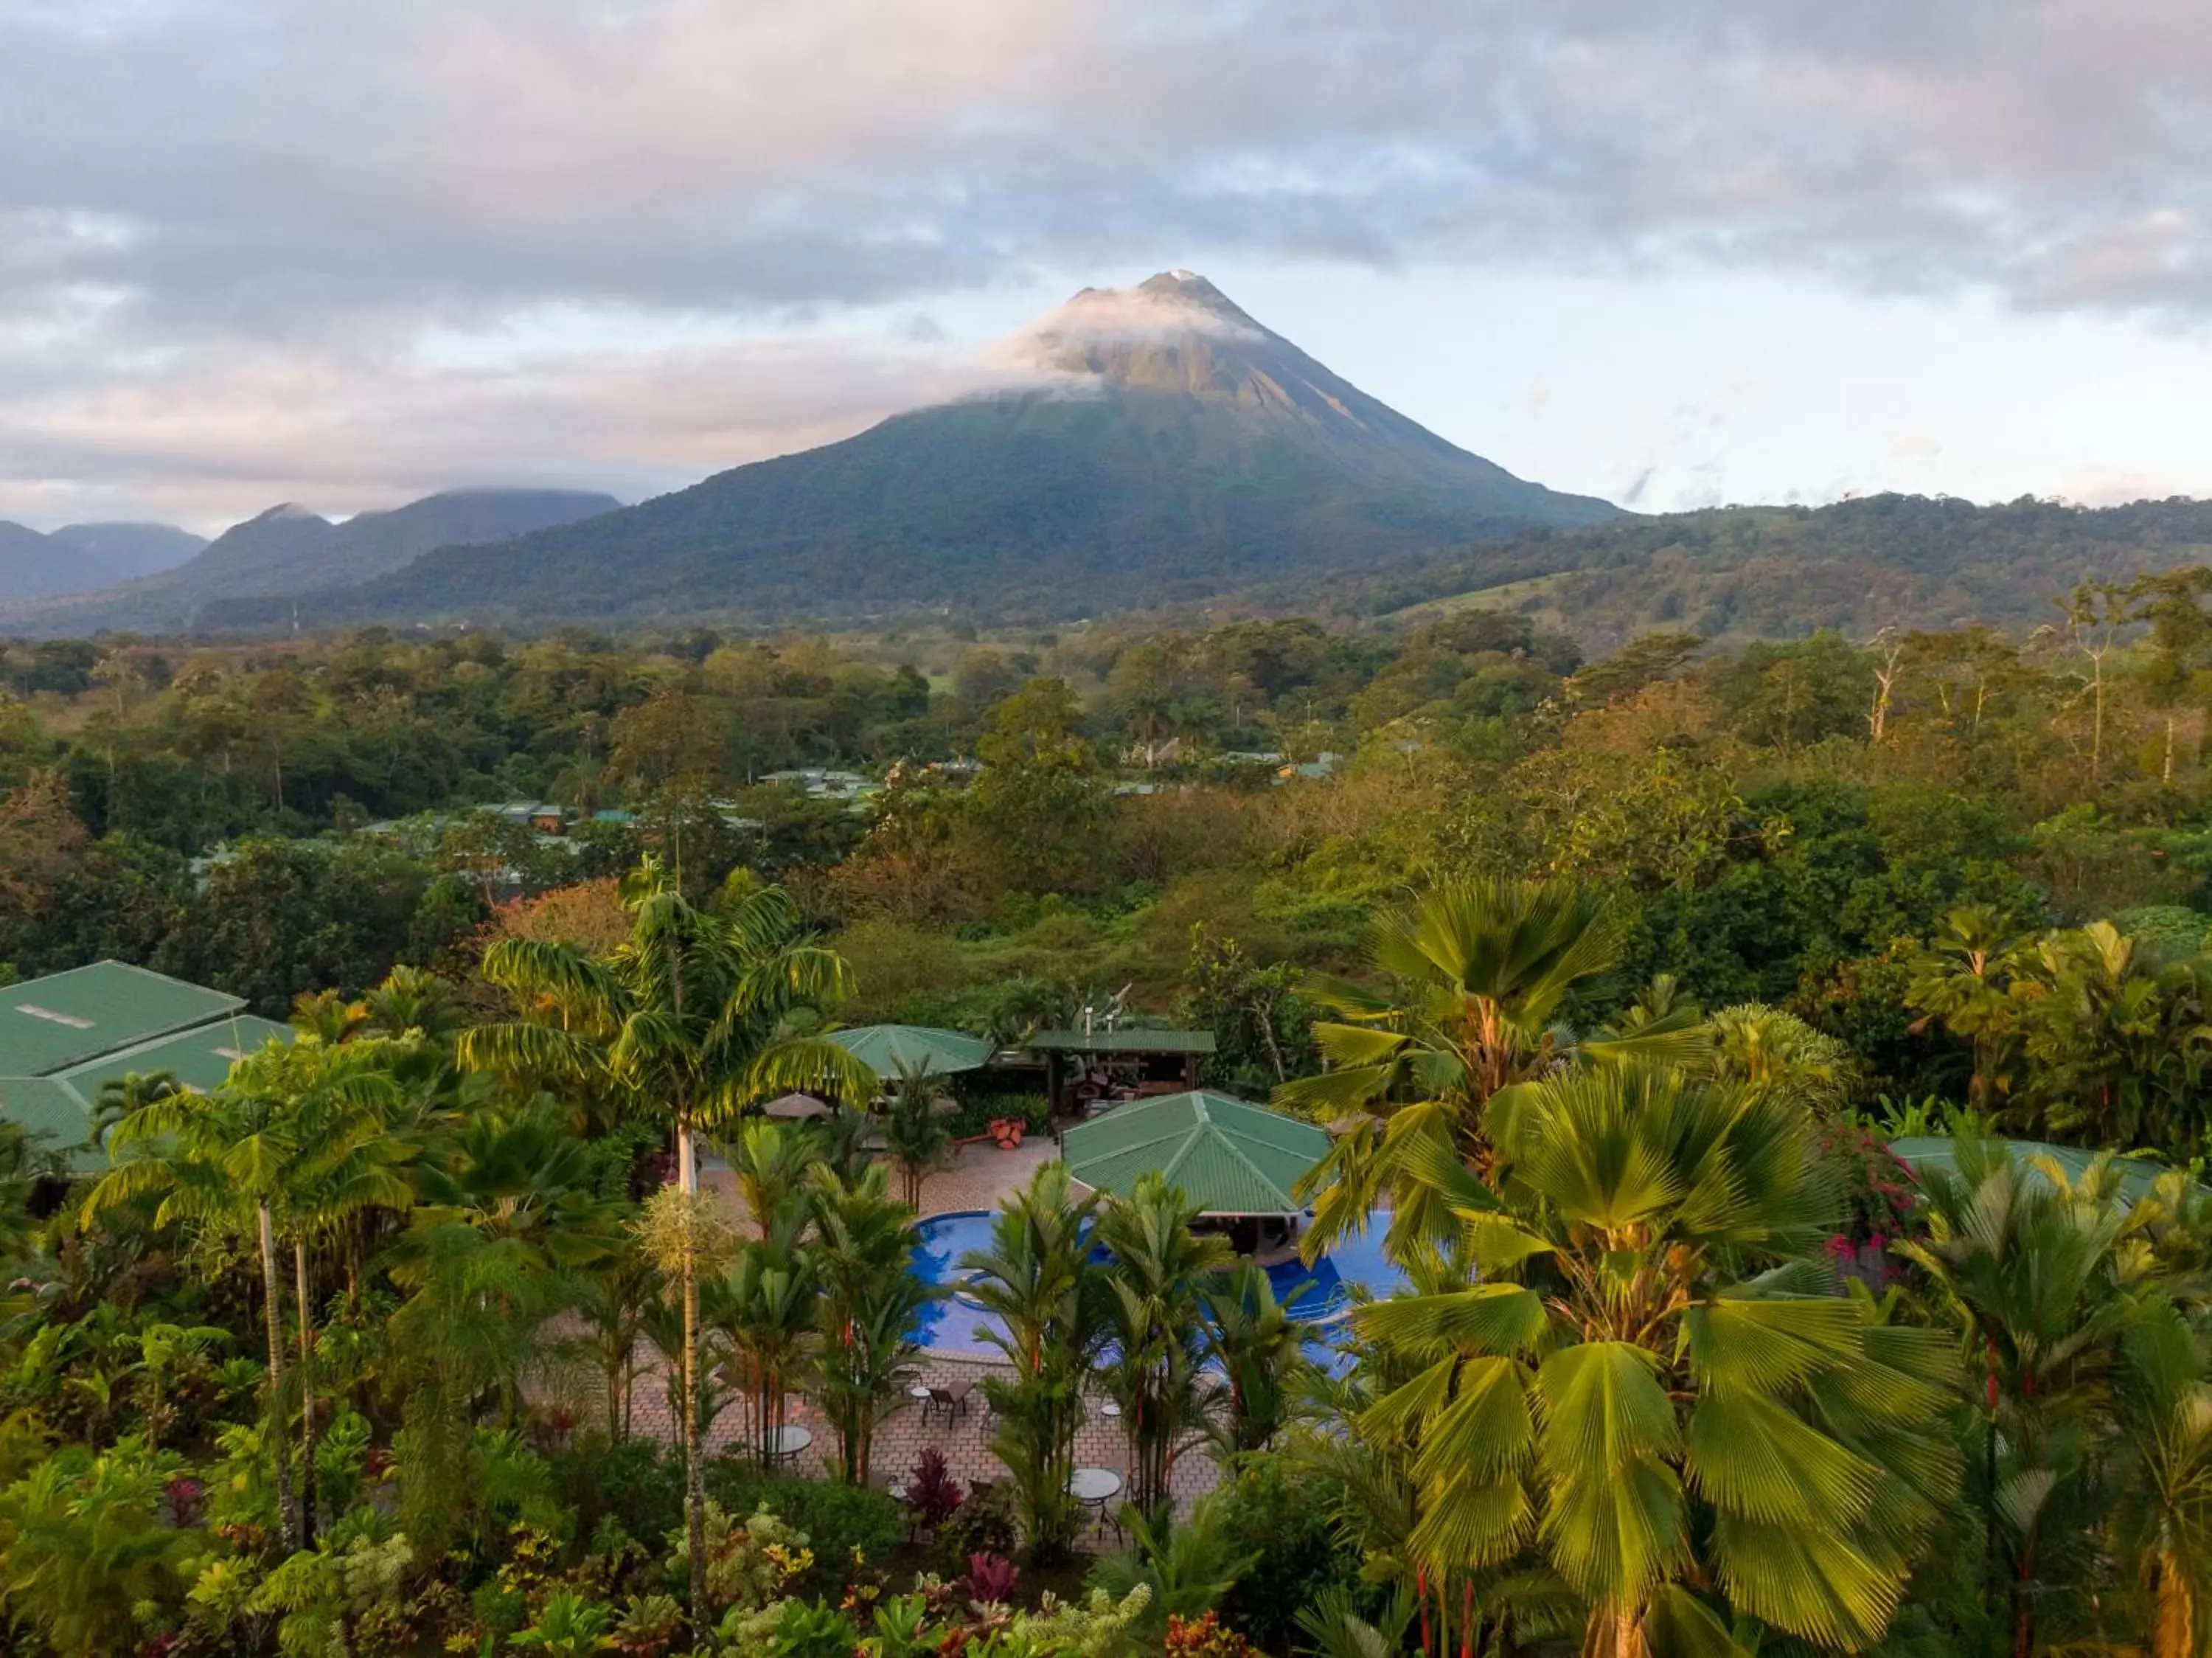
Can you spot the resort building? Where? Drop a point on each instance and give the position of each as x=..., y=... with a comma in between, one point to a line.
x=66, y=1036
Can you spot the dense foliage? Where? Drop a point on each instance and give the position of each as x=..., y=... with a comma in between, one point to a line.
x=1614, y=979
x=1745, y=573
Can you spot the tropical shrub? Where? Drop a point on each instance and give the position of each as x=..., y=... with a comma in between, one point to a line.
x=985, y=1523
x=931, y=1490
x=1282, y=1514
x=845, y=1527
x=990, y=1580
x=1878, y=1189
x=91, y=1563
x=635, y=1483
x=749, y=1563
x=1204, y=1637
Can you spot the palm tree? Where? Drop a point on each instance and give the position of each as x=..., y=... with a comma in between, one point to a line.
x=614, y=1298
x=1259, y=1349
x=515, y=1174
x=231, y=1162
x=2046, y=1279
x=125, y=1096
x=1766, y=1047
x=1038, y=1278
x=1963, y=981
x=2164, y=1490
x=344, y=1163
x=1680, y=1444
x=688, y=1018
x=915, y=1135
x=1155, y=1315
x=1478, y=971
x=769, y=1163
x=768, y=1304
x=1185, y=1569
x=412, y=1001
x=327, y=1016
x=871, y=1302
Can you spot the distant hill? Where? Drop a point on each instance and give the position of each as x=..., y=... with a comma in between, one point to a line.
x=289, y=551
x=78, y=558
x=1158, y=442
x=1739, y=573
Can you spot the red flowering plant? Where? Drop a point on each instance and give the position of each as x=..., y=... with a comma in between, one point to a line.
x=1881, y=1192
x=1204, y=1637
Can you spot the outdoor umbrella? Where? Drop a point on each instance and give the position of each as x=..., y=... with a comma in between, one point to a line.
x=887, y=1050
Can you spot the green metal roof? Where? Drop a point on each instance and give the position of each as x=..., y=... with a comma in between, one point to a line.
x=48, y=1025
x=1935, y=1151
x=1229, y=1157
x=883, y=1048
x=199, y=1058
x=1136, y=1040
x=54, y=1115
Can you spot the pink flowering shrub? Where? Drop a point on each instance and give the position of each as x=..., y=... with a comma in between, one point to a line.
x=1881, y=1192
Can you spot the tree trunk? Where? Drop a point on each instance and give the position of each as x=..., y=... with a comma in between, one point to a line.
x=1264, y=1011
x=2173, y=1622
x=1612, y=1633
x=306, y=1396
x=694, y=1473
x=272, y=1295
x=2097, y=731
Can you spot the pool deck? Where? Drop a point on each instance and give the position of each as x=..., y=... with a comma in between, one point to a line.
x=979, y=1180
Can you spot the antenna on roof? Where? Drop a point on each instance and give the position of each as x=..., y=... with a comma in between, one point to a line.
x=1113, y=1008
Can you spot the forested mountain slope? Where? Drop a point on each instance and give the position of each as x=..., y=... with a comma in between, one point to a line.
x=1780, y=572
x=289, y=551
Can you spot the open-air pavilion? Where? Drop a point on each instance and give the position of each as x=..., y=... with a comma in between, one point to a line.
x=1082, y=1066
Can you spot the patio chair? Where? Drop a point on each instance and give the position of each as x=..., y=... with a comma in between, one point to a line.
x=952, y=1399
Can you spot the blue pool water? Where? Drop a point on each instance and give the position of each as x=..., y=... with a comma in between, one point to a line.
x=1316, y=1295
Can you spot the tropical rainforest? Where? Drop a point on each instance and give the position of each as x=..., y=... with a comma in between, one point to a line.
x=1615, y=974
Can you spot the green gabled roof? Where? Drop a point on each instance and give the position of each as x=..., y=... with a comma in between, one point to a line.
x=1939, y=1152
x=53, y=1114
x=883, y=1048
x=50, y=1024
x=1229, y=1157
x=1121, y=1041
x=199, y=1058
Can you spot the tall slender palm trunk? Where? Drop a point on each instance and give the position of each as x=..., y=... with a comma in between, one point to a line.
x=272, y=1299
x=307, y=1393
x=2174, y=1624
x=694, y=1472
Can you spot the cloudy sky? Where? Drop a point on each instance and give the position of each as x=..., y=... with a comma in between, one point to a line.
x=1674, y=252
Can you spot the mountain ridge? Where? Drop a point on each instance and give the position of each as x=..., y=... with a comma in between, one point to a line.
x=289, y=551
x=81, y=558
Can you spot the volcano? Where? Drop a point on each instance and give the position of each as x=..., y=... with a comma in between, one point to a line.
x=1139, y=446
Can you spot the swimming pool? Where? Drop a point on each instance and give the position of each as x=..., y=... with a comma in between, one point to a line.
x=954, y=1323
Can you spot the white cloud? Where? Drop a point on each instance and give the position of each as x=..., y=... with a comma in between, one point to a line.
x=229, y=228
